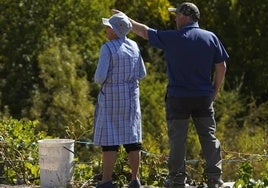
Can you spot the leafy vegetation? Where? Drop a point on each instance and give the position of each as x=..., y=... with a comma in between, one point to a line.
x=48, y=55
x=18, y=151
x=245, y=177
x=19, y=138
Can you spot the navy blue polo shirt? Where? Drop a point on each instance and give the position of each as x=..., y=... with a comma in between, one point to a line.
x=190, y=54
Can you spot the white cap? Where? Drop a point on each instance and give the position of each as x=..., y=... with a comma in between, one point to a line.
x=119, y=23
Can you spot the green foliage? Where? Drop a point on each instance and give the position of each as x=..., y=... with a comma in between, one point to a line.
x=140, y=9
x=82, y=172
x=19, y=45
x=250, y=30
x=245, y=177
x=87, y=173
x=61, y=100
x=154, y=169
x=19, y=150
x=152, y=93
x=258, y=116
x=48, y=55
x=30, y=26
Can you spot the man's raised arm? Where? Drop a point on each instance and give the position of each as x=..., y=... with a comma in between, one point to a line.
x=138, y=28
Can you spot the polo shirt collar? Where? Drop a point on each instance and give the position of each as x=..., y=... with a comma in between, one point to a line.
x=191, y=25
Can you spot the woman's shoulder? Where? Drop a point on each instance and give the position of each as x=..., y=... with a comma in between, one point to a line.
x=131, y=41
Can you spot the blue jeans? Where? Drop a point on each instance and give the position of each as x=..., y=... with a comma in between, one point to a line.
x=178, y=112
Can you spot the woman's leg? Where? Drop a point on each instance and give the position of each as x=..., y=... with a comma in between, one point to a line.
x=109, y=158
x=134, y=161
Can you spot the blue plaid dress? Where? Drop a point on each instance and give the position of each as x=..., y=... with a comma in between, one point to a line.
x=118, y=113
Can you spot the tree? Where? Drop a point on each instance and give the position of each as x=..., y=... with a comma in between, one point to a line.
x=20, y=34
x=27, y=27
x=62, y=100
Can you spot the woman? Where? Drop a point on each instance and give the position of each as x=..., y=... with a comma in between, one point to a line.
x=118, y=114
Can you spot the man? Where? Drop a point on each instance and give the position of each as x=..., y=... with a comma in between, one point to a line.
x=191, y=53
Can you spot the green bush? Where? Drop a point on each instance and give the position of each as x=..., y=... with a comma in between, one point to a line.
x=246, y=180
x=19, y=150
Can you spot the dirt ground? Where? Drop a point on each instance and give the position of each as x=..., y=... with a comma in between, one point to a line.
x=15, y=186
x=226, y=185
